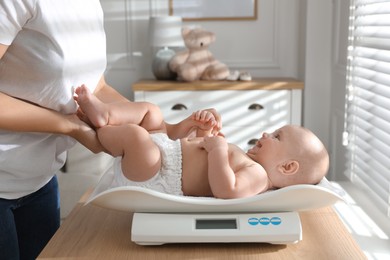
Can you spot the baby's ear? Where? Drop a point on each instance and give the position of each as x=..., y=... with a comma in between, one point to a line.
x=289, y=167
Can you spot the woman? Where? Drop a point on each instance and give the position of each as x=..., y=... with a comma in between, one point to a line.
x=46, y=48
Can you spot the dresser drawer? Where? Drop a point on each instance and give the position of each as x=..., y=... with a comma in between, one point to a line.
x=237, y=108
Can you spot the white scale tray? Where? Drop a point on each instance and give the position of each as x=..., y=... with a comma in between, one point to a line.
x=177, y=224
x=138, y=199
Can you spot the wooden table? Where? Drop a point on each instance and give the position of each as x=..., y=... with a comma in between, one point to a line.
x=91, y=232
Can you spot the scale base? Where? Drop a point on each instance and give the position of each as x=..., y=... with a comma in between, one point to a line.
x=160, y=228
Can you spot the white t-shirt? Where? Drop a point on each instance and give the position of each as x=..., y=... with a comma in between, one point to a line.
x=54, y=45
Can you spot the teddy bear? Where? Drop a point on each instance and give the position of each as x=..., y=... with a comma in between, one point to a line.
x=196, y=62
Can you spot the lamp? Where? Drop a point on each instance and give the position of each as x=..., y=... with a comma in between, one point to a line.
x=165, y=31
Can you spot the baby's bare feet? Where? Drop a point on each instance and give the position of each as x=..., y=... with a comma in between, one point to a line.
x=94, y=109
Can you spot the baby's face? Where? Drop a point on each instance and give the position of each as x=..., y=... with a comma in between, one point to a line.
x=274, y=148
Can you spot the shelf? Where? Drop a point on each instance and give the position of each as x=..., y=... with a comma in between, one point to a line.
x=255, y=84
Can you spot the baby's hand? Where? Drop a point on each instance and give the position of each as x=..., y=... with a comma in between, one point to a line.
x=211, y=143
x=209, y=120
x=204, y=116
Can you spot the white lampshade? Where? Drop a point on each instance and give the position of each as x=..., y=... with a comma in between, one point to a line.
x=165, y=31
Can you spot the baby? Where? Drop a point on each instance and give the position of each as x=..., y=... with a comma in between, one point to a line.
x=205, y=165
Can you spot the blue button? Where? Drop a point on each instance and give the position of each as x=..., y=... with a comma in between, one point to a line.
x=264, y=221
x=253, y=221
x=276, y=221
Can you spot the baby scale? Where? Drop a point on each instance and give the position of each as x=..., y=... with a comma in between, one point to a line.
x=162, y=228
x=270, y=217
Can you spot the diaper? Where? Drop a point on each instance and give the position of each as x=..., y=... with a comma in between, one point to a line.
x=168, y=179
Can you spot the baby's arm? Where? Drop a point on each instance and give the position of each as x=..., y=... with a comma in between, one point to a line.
x=202, y=123
x=231, y=173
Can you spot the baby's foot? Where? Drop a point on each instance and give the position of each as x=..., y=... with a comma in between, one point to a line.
x=94, y=109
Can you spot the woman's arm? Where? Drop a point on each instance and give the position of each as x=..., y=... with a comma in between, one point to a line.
x=20, y=116
x=3, y=49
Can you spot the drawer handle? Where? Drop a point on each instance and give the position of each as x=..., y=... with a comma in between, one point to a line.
x=252, y=141
x=255, y=106
x=179, y=107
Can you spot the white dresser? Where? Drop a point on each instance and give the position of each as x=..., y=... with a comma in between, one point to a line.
x=247, y=108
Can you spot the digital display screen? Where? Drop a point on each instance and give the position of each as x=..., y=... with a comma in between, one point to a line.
x=216, y=224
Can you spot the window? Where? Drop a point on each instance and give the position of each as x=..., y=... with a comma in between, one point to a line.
x=367, y=113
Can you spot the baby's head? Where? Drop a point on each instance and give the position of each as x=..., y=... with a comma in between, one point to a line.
x=291, y=155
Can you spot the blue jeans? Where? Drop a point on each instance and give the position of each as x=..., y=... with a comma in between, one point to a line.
x=28, y=223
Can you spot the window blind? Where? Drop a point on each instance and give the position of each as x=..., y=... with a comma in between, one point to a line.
x=367, y=113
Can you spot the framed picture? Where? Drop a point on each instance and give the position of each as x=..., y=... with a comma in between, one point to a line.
x=205, y=10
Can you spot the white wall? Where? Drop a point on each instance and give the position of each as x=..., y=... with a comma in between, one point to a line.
x=290, y=38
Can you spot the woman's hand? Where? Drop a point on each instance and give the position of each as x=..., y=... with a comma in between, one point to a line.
x=84, y=134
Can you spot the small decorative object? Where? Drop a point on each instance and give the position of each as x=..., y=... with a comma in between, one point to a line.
x=160, y=64
x=197, y=62
x=245, y=76
x=237, y=75
x=165, y=32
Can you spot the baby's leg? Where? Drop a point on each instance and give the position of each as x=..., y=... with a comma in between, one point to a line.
x=145, y=114
x=141, y=158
